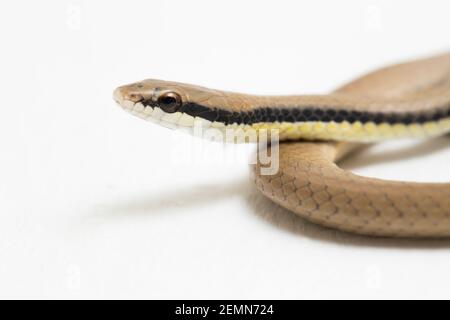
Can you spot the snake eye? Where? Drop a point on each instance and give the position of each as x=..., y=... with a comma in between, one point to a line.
x=169, y=102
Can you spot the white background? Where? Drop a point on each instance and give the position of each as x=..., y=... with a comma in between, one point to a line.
x=95, y=203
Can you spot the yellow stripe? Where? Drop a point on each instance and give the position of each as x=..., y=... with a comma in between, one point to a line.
x=356, y=132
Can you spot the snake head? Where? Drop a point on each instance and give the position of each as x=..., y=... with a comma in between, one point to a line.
x=151, y=93
x=171, y=104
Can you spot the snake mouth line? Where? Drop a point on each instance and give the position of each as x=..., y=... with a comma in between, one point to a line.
x=199, y=127
x=170, y=120
x=177, y=120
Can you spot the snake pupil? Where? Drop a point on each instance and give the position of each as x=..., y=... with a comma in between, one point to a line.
x=169, y=102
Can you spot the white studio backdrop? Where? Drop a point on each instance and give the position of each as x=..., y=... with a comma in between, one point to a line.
x=95, y=203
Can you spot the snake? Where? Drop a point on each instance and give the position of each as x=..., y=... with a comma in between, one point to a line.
x=409, y=99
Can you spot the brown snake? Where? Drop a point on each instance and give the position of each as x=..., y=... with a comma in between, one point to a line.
x=405, y=100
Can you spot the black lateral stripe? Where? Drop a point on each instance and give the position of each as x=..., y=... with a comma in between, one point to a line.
x=270, y=114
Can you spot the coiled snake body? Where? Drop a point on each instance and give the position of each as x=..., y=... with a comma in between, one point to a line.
x=405, y=100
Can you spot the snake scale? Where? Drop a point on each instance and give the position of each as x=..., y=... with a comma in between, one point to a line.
x=406, y=100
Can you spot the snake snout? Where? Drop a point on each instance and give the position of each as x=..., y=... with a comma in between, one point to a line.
x=125, y=93
x=117, y=95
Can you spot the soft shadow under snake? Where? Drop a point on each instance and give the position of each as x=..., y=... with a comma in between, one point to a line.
x=279, y=217
x=286, y=220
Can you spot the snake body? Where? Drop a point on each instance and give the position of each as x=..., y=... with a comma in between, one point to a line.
x=405, y=100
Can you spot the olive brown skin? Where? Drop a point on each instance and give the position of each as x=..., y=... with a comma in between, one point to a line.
x=308, y=182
